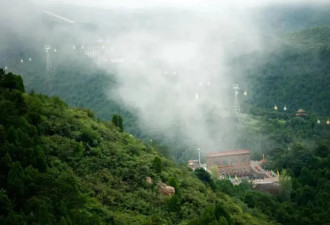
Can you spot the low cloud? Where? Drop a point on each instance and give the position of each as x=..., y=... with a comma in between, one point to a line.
x=173, y=60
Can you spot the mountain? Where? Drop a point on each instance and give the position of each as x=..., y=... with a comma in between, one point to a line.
x=296, y=74
x=292, y=17
x=61, y=165
x=64, y=165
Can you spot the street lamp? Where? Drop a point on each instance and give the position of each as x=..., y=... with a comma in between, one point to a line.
x=199, y=156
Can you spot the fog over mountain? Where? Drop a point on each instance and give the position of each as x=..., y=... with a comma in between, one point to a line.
x=172, y=60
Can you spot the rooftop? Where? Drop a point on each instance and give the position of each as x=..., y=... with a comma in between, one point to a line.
x=231, y=152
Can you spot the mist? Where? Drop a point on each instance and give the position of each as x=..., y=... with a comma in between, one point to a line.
x=174, y=72
x=173, y=61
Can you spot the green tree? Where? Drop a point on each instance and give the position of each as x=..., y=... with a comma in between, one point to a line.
x=174, y=183
x=117, y=120
x=157, y=164
x=214, y=173
x=16, y=180
x=11, y=81
x=220, y=213
x=203, y=175
x=174, y=204
x=285, y=186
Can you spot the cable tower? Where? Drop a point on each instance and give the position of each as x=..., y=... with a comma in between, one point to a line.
x=48, y=62
x=236, y=107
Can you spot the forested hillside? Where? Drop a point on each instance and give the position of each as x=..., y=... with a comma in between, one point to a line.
x=61, y=165
x=63, y=162
x=300, y=149
x=305, y=180
x=293, y=18
x=297, y=74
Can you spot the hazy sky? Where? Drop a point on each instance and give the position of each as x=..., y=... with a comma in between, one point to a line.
x=179, y=3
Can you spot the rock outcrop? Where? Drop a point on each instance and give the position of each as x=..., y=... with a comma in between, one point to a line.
x=149, y=180
x=165, y=189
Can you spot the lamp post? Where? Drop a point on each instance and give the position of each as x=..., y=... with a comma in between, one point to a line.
x=236, y=106
x=199, y=156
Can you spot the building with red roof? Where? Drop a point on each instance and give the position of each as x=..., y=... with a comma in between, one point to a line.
x=234, y=162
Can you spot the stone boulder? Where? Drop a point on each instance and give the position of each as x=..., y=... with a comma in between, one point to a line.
x=149, y=180
x=165, y=189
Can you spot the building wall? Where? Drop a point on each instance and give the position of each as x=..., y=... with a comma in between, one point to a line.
x=231, y=164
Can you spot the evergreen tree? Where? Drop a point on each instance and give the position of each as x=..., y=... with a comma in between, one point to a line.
x=117, y=120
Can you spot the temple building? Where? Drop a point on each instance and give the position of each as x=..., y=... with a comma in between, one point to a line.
x=301, y=113
x=235, y=162
x=235, y=165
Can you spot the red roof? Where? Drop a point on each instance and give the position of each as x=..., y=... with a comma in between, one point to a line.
x=232, y=152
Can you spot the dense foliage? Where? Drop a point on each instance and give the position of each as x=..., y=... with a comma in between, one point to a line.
x=117, y=120
x=304, y=194
x=60, y=165
x=297, y=74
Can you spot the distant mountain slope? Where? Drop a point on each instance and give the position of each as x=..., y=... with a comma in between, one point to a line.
x=293, y=17
x=310, y=38
x=61, y=165
x=296, y=75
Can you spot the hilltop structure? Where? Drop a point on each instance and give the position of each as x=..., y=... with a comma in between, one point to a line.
x=236, y=165
x=301, y=113
x=235, y=162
